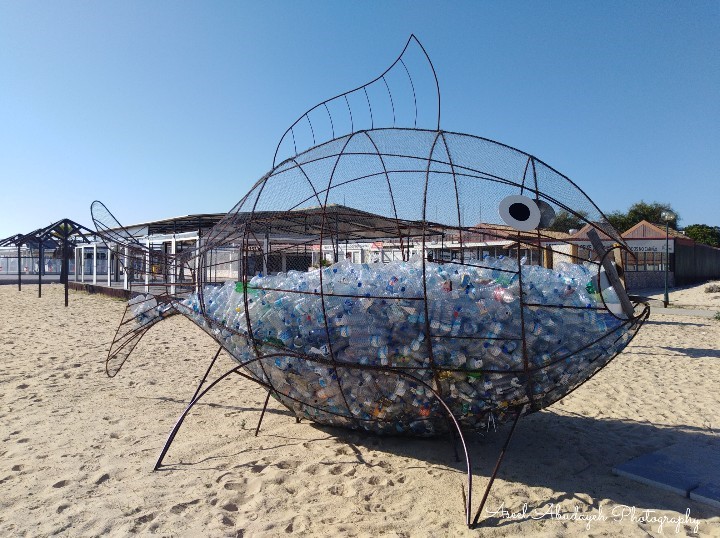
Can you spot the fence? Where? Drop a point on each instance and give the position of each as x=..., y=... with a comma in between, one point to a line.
x=30, y=265
x=696, y=263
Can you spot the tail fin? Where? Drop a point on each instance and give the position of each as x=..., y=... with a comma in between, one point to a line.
x=143, y=311
x=109, y=228
x=141, y=314
x=140, y=261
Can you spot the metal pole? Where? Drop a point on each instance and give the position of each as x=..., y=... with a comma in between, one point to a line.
x=19, y=271
x=262, y=414
x=94, y=266
x=125, y=272
x=202, y=381
x=197, y=263
x=667, y=260
x=173, y=268
x=66, y=263
x=266, y=253
x=147, y=266
x=40, y=268
x=495, y=472
x=180, y=420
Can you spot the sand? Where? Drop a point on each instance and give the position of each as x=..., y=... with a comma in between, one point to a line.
x=78, y=448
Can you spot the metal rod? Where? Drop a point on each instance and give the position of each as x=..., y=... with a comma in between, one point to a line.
x=262, y=414
x=181, y=419
x=66, y=263
x=438, y=396
x=212, y=363
x=667, y=260
x=19, y=277
x=495, y=471
x=40, y=267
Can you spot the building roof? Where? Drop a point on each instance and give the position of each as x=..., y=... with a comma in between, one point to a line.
x=334, y=220
x=184, y=223
x=648, y=230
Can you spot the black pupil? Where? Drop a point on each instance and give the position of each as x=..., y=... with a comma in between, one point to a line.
x=519, y=211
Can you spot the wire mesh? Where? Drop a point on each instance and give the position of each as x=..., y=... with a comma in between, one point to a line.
x=391, y=274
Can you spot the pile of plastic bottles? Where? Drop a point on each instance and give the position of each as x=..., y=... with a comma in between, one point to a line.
x=372, y=346
x=144, y=308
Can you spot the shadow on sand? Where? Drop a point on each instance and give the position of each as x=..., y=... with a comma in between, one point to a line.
x=570, y=455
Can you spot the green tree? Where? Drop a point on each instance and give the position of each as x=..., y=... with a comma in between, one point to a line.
x=702, y=233
x=566, y=221
x=651, y=212
x=619, y=220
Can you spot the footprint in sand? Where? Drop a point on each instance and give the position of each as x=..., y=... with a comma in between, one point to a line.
x=342, y=490
x=230, y=507
x=298, y=525
x=61, y=484
x=235, y=486
x=337, y=469
x=146, y=518
x=344, y=451
x=258, y=468
x=181, y=507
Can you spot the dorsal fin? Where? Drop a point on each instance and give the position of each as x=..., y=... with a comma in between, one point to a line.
x=108, y=227
x=401, y=96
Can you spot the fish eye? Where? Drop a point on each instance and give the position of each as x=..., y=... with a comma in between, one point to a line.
x=520, y=212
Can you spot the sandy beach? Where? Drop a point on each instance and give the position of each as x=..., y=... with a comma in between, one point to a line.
x=78, y=448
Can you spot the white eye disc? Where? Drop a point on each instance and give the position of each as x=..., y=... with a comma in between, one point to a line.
x=520, y=212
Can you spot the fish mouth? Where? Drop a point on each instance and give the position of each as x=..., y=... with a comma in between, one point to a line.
x=609, y=278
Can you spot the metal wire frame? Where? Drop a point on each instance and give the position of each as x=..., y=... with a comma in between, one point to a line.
x=400, y=371
x=515, y=412
x=279, y=216
x=279, y=351
x=412, y=40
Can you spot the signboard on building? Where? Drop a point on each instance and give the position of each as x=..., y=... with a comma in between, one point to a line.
x=636, y=245
x=650, y=245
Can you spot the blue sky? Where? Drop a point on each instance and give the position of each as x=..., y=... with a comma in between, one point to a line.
x=169, y=108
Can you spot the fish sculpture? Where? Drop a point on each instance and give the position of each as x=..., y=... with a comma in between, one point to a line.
x=450, y=333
